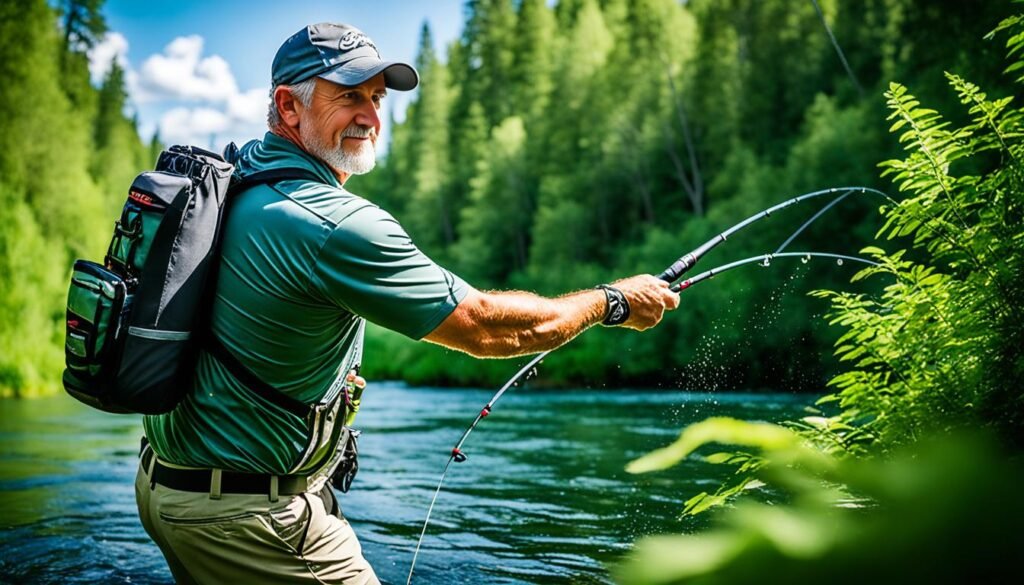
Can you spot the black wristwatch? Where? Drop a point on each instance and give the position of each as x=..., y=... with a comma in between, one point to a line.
x=617, y=311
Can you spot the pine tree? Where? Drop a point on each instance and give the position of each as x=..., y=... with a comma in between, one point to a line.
x=493, y=229
x=429, y=216
x=83, y=24
x=534, y=45
x=50, y=206
x=118, y=153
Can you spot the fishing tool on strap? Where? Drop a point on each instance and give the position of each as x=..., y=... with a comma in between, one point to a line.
x=672, y=274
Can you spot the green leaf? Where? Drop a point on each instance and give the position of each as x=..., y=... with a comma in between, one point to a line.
x=715, y=430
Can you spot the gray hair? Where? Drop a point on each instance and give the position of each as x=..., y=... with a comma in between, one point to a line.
x=302, y=91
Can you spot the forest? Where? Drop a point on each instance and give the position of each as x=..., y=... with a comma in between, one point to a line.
x=550, y=148
x=67, y=156
x=556, y=148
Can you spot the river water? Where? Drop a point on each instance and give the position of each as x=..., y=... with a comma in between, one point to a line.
x=543, y=497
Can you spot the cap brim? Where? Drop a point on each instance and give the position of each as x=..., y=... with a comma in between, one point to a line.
x=398, y=76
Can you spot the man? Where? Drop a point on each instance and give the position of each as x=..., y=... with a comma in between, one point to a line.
x=236, y=490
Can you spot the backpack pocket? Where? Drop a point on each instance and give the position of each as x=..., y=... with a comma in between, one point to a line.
x=98, y=305
x=135, y=231
x=145, y=382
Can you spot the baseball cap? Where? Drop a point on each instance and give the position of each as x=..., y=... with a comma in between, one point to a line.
x=338, y=53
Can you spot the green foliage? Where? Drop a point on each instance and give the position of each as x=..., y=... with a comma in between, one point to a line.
x=936, y=352
x=779, y=449
x=82, y=22
x=945, y=511
x=769, y=437
x=1014, y=44
x=940, y=348
x=67, y=155
x=865, y=493
x=431, y=221
x=30, y=291
x=493, y=223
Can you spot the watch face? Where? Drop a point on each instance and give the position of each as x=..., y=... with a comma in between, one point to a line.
x=618, y=312
x=618, y=307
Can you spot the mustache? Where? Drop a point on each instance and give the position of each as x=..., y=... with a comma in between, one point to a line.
x=359, y=131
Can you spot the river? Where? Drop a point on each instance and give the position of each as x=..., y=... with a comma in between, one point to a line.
x=543, y=497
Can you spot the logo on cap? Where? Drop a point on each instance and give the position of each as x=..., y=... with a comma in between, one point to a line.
x=355, y=39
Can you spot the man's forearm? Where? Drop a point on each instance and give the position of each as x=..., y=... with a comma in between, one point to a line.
x=507, y=324
x=511, y=323
x=525, y=323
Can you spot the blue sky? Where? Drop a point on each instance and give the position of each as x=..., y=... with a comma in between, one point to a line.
x=199, y=71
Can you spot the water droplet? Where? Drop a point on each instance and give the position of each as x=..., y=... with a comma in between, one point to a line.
x=766, y=262
x=806, y=259
x=839, y=261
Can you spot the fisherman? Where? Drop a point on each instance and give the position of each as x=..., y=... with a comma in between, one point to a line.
x=232, y=484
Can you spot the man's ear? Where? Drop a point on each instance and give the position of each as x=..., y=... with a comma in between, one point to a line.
x=287, y=106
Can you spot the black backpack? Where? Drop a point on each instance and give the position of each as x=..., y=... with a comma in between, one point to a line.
x=136, y=322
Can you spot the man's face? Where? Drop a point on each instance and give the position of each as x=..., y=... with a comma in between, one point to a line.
x=342, y=124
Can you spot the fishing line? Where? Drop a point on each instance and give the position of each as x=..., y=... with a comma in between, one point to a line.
x=839, y=51
x=670, y=275
x=458, y=456
x=811, y=220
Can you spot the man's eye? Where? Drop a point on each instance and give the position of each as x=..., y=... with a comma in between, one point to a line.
x=350, y=95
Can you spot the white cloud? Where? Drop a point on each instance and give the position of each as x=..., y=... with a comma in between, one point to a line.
x=192, y=125
x=250, y=106
x=180, y=73
x=112, y=46
x=187, y=97
x=210, y=127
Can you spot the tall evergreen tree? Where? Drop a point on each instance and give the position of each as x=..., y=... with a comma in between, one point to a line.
x=493, y=230
x=534, y=45
x=118, y=153
x=83, y=24
x=429, y=214
x=50, y=206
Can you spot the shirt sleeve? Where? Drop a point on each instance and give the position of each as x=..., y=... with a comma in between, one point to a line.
x=369, y=266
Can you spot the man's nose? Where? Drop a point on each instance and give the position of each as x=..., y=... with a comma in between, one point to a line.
x=369, y=116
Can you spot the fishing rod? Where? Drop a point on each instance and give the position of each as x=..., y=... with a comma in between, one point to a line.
x=765, y=260
x=670, y=275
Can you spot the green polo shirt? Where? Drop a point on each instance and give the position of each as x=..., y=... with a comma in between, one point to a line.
x=301, y=261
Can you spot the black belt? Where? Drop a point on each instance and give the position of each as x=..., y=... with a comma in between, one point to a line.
x=231, y=482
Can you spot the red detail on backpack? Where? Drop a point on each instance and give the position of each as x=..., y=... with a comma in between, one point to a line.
x=143, y=199
x=73, y=323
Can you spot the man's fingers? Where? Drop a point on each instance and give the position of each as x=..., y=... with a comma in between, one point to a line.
x=356, y=380
x=673, y=300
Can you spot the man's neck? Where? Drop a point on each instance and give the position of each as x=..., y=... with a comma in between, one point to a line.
x=292, y=135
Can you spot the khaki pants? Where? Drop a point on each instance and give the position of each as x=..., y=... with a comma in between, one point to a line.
x=249, y=539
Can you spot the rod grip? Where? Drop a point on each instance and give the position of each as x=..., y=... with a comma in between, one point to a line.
x=678, y=267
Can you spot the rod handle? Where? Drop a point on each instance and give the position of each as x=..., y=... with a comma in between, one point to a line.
x=678, y=267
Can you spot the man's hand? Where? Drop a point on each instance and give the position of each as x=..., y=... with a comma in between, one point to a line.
x=648, y=297
x=355, y=380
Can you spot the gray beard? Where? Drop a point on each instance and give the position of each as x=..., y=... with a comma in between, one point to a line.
x=354, y=163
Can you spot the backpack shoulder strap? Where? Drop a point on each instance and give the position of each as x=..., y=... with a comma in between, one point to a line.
x=271, y=176
x=214, y=346
x=253, y=383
